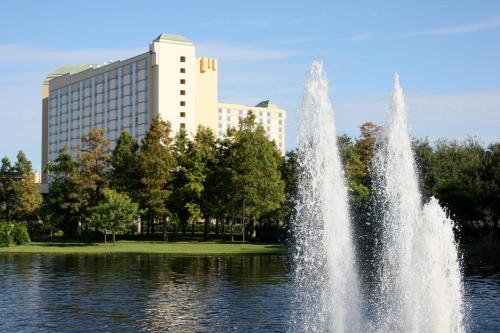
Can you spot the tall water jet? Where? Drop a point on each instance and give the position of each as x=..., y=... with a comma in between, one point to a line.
x=421, y=287
x=327, y=294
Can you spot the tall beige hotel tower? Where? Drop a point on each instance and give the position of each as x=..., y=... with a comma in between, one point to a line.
x=169, y=80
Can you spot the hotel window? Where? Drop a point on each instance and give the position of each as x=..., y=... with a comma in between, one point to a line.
x=279, y=115
x=183, y=114
x=280, y=129
x=183, y=125
x=220, y=110
x=269, y=114
x=183, y=103
x=183, y=92
x=183, y=70
x=269, y=121
x=261, y=113
x=228, y=119
x=183, y=59
x=280, y=122
x=220, y=125
x=183, y=81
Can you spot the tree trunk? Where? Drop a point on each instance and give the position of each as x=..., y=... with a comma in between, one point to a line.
x=254, y=229
x=165, y=235
x=105, y=237
x=206, y=225
x=183, y=225
x=223, y=221
x=216, y=227
x=231, y=230
x=114, y=239
x=192, y=228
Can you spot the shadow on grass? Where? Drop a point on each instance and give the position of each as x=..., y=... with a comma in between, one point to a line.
x=64, y=244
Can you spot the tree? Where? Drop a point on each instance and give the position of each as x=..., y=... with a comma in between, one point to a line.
x=26, y=192
x=202, y=157
x=6, y=189
x=66, y=200
x=254, y=164
x=178, y=200
x=355, y=168
x=115, y=213
x=124, y=165
x=20, y=197
x=94, y=161
x=155, y=165
x=290, y=176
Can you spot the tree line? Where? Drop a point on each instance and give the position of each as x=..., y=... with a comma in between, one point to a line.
x=167, y=183
x=173, y=185
x=463, y=175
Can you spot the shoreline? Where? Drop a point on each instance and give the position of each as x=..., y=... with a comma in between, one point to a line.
x=196, y=248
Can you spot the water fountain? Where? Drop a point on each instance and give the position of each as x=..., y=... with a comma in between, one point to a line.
x=420, y=281
x=420, y=286
x=327, y=291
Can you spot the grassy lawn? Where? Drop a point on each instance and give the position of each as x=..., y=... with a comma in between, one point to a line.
x=158, y=247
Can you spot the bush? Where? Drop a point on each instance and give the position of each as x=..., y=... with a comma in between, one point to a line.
x=13, y=234
x=20, y=234
x=6, y=235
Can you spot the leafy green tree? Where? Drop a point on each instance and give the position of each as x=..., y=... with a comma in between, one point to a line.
x=65, y=201
x=254, y=164
x=94, y=161
x=116, y=213
x=290, y=176
x=179, y=198
x=355, y=168
x=124, y=175
x=491, y=184
x=155, y=165
x=6, y=190
x=26, y=191
x=202, y=157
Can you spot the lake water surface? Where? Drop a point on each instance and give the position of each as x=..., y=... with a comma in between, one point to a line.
x=159, y=293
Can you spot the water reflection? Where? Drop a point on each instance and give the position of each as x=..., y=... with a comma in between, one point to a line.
x=131, y=293
x=155, y=293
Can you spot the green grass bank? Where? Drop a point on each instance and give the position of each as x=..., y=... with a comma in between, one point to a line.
x=146, y=247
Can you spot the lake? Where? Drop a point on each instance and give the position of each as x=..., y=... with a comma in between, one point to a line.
x=160, y=293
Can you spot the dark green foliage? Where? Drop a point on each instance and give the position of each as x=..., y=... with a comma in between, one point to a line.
x=124, y=174
x=155, y=165
x=464, y=176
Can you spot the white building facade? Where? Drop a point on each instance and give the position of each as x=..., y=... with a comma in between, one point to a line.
x=168, y=80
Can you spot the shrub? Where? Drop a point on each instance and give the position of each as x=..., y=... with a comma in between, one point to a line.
x=13, y=234
x=6, y=235
x=20, y=234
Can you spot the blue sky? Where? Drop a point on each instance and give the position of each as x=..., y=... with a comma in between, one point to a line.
x=447, y=53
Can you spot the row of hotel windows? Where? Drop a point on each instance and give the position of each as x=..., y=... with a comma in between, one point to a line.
x=182, y=92
x=245, y=112
x=73, y=103
x=261, y=120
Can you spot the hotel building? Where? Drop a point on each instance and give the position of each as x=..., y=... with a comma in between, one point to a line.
x=168, y=80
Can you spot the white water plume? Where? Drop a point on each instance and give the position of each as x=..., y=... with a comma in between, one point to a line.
x=421, y=287
x=327, y=293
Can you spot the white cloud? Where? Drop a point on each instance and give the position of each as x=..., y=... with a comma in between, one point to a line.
x=358, y=37
x=232, y=52
x=452, y=115
x=24, y=53
x=479, y=26
x=456, y=29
